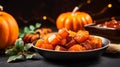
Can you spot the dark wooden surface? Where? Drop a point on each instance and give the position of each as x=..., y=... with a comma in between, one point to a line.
x=107, y=60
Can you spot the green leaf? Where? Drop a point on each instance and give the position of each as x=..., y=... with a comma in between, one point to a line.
x=32, y=28
x=15, y=58
x=19, y=44
x=37, y=25
x=32, y=32
x=26, y=29
x=11, y=51
x=30, y=56
x=27, y=46
x=21, y=35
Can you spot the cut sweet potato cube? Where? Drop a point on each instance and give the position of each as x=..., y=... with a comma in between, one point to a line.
x=63, y=42
x=95, y=42
x=63, y=33
x=87, y=46
x=39, y=43
x=83, y=32
x=76, y=47
x=60, y=48
x=54, y=39
x=72, y=33
x=47, y=46
x=27, y=38
x=71, y=43
x=34, y=37
x=69, y=38
x=81, y=36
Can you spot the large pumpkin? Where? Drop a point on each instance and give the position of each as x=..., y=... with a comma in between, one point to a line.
x=9, y=30
x=73, y=21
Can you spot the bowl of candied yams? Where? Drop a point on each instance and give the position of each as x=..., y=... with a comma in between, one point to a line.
x=69, y=45
x=106, y=27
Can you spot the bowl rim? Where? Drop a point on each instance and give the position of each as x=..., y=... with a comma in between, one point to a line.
x=103, y=47
x=93, y=25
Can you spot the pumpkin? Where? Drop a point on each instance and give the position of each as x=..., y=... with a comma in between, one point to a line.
x=73, y=20
x=9, y=30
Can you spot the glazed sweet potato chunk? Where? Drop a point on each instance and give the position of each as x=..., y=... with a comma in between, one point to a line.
x=81, y=36
x=63, y=32
x=76, y=47
x=63, y=42
x=47, y=46
x=54, y=39
x=60, y=48
x=39, y=43
x=70, y=43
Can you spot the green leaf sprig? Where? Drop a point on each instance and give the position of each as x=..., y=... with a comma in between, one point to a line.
x=28, y=29
x=20, y=51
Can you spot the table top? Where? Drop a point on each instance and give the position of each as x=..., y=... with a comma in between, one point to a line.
x=106, y=60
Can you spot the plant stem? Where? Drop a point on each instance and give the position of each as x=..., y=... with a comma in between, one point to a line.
x=1, y=8
x=75, y=10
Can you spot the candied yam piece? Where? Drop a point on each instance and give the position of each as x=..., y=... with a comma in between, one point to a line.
x=90, y=41
x=38, y=31
x=47, y=46
x=87, y=45
x=92, y=44
x=95, y=42
x=60, y=48
x=81, y=36
x=46, y=30
x=46, y=39
x=34, y=37
x=63, y=33
x=72, y=33
x=76, y=47
x=54, y=39
x=43, y=31
x=83, y=32
x=39, y=43
x=71, y=43
x=63, y=41
x=69, y=38
x=27, y=37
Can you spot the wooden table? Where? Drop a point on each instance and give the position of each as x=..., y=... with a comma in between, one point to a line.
x=106, y=60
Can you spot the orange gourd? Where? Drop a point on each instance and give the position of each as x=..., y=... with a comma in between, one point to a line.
x=9, y=30
x=73, y=20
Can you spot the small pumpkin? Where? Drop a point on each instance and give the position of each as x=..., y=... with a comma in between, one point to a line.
x=9, y=30
x=73, y=20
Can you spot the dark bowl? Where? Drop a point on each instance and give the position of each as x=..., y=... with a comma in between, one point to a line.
x=112, y=34
x=66, y=55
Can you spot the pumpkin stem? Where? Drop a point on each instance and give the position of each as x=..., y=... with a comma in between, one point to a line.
x=75, y=10
x=1, y=8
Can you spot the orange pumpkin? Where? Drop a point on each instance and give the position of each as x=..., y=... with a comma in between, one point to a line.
x=9, y=30
x=73, y=21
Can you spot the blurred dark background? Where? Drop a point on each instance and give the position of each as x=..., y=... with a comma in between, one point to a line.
x=31, y=11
